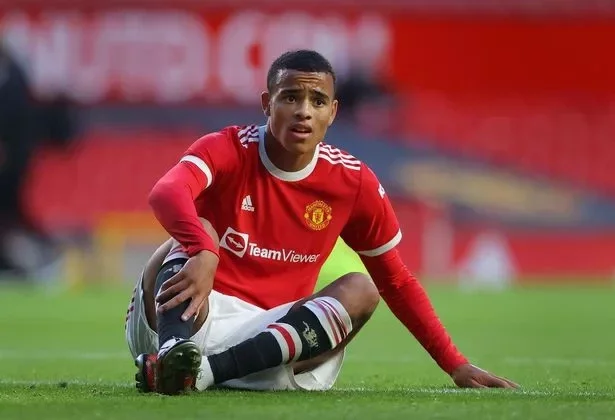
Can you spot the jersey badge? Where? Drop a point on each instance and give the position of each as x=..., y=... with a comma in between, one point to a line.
x=318, y=215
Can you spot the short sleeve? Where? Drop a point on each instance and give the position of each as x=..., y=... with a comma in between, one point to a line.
x=214, y=154
x=372, y=228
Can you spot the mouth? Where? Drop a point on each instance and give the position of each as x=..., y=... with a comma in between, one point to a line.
x=301, y=129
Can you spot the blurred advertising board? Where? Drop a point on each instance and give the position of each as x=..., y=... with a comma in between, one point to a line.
x=138, y=52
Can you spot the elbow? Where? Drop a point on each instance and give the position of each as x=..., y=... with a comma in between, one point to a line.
x=392, y=285
x=159, y=195
x=396, y=284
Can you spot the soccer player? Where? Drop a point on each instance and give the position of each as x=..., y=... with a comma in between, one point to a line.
x=253, y=213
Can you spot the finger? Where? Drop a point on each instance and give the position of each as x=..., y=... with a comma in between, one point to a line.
x=198, y=311
x=193, y=308
x=173, y=280
x=176, y=300
x=509, y=382
x=495, y=382
x=469, y=383
x=476, y=384
x=164, y=295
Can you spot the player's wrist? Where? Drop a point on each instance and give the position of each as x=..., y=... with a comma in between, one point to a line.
x=206, y=254
x=203, y=253
x=203, y=249
x=453, y=365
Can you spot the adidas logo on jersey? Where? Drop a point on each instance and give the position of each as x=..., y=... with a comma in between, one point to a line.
x=246, y=203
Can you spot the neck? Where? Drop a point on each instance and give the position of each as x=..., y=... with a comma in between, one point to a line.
x=282, y=158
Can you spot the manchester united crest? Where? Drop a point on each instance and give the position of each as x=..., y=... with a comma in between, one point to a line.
x=318, y=215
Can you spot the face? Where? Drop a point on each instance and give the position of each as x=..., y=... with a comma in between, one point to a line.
x=300, y=109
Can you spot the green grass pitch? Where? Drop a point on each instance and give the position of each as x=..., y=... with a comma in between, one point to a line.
x=62, y=356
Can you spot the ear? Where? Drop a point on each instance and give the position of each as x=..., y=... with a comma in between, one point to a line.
x=334, y=106
x=265, y=103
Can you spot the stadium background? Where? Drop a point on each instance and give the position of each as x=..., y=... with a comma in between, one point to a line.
x=492, y=127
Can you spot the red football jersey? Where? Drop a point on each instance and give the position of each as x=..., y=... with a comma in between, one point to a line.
x=277, y=228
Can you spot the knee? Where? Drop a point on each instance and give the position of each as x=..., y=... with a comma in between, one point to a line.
x=210, y=230
x=362, y=292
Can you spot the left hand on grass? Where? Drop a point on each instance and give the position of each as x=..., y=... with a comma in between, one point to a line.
x=470, y=376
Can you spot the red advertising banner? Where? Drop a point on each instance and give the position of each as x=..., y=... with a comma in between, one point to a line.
x=172, y=55
x=437, y=248
x=504, y=55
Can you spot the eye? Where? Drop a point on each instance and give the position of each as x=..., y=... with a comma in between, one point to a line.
x=290, y=99
x=319, y=102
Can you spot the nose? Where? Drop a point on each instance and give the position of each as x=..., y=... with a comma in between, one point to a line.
x=303, y=110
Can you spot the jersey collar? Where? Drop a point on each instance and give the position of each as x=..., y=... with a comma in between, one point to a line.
x=279, y=173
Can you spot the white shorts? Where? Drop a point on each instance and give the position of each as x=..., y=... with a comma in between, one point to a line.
x=231, y=321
